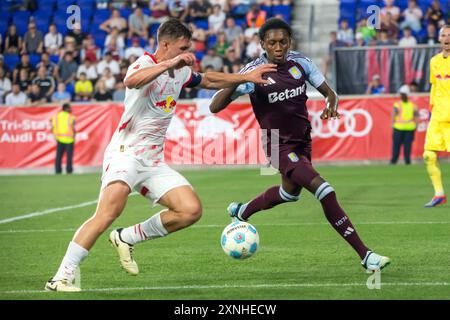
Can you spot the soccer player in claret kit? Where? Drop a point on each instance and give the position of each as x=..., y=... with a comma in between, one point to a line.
x=134, y=159
x=281, y=105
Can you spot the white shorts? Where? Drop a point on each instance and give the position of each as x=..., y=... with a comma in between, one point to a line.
x=150, y=181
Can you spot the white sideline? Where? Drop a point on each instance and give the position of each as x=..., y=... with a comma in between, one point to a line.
x=52, y=210
x=236, y=286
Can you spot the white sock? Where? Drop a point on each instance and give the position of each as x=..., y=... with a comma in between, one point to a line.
x=75, y=254
x=147, y=230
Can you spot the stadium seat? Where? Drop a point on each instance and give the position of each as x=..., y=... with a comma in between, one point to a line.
x=284, y=10
x=63, y=4
x=54, y=58
x=201, y=24
x=125, y=13
x=35, y=59
x=199, y=55
x=99, y=39
x=268, y=10
x=4, y=27
x=11, y=60
x=154, y=28
x=86, y=4
x=212, y=39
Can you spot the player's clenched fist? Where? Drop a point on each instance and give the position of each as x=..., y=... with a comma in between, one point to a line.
x=182, y=60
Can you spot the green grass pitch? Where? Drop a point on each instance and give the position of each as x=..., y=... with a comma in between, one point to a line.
x=300, y=255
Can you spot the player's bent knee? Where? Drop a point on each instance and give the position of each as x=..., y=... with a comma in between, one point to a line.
x=288, y=197
x=429, y=156
x=191, y=212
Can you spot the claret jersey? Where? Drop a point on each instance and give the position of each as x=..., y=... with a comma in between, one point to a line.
x=281, y=104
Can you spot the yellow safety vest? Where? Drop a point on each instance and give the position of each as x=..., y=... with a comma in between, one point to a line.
x=404, y=120
x=63, y=127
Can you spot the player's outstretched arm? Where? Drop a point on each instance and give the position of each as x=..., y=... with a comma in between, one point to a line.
x=146, y=75
x=222, y=99
x=332, y=100
x=220, y=80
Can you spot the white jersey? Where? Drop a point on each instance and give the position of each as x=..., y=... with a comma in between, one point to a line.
x=148, y=111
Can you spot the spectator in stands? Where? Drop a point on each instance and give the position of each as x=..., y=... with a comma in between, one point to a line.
x=233, y=32
x=216, y=20
x=16, y=97
x=90, y=51
x=13, y=42
x=431, y=36
x=70, y=45
x=77, y=34
x=23, y=64
x=108, y=79
x=49, y=66
x=101, y=94
x=391, y=26
x=199, y=37
x=231, y=63
x=200, y=10
x=413, y=16
x=375, y=86
x=67, y=69
x=224, y=5
x=123, y=72
x=250, y=31
x=4, y=67
x=88, y=68
x=53, y=40
x=368, y=33
x=135, y=49
x=138, y=24
x=383, y=39
x=159, y=11
x=434, y=14
x=221, y=45
x=116, y=53
x=115, y=35
x=345, y=33
x=24, y=81
x=35, y=97
x=334, y=43
x=211, y=59
x=45, y=83
x=359, y=40
x=413, y=87
x=254, y=48
x=256, y=17
x=83, y=88
x=151, y=45
x=108, y=61
x=33, y=40
x=119, y=92
x=114, y=21
x=408, y=39
x=178, y=9
x=5, y=86
x=61, y=95
x=390, y=8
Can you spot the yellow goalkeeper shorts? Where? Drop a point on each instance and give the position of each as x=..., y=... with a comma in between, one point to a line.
x=438, y=136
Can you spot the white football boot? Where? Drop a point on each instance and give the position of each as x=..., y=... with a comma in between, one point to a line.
x=374, y=262
x=125, y=252
x=63, y=285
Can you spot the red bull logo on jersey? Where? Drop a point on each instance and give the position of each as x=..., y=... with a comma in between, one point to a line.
x=167, y=105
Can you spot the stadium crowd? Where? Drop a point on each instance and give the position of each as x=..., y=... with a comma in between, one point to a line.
x=403, y=23
x=44, y=61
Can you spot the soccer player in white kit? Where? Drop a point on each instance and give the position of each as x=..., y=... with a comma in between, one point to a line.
x=134, y=159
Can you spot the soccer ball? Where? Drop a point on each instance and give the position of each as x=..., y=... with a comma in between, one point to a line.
x=239, y=240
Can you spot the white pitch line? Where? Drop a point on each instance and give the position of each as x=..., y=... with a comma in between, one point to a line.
x=258, y=225
x=250, y=286
x=52, y=210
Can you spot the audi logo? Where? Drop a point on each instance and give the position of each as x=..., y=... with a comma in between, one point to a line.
x=356, y=123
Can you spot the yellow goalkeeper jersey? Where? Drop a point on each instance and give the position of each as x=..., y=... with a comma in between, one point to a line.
x=440, y=87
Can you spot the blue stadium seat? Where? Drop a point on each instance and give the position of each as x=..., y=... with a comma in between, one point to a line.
x=4, y=27
x=284, y=10
x=146, y=11
x=199, y=55
x=86, y=4
x=268, y=10
x=242, y=22
x=154, y=28
x=63, y=4
x=54, y=58
x=240, y=11
x=125, y=13
x=99, y=39
x=11, y=60
x=402, y=4
x=21, y=17
x=42, y=26
x=201, y=24
x=212, y=39
x=35, y=59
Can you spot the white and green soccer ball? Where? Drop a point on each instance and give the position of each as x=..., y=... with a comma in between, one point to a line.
x=239, y=240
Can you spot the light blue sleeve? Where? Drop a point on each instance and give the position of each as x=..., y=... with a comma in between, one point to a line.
x=244, y=88
x=313, y=74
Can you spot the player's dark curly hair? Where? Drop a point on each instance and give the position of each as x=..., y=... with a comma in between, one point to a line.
x=274, y=23
x=174, y=29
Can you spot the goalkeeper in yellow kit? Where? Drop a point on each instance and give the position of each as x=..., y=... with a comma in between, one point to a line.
x=438, y=133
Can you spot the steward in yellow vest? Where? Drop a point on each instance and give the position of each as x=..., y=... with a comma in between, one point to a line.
x=404, y=122
x=63, y=129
